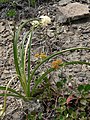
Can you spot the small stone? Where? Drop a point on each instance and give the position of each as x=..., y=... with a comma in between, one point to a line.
x=2, y=28
x=32, y=106
x=85, y=36
x=71, y=33
x=74, y=26
x=6, y=72
x=50, y=33
x=85, y=31
x=81, y=79
x=16, y=116
x=60, y=30
x=88, y=74
x=84, y=68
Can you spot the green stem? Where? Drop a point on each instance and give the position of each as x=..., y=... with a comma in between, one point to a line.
x=29, y=3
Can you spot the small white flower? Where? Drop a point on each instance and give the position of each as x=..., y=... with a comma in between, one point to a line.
x=45, y=20
x=38, y=100
x=35, y=23
x=69, y=84
x=67, y=116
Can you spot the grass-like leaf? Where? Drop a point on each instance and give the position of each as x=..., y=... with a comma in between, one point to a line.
x=12, y=91
x=19, y=70
x=54, y=55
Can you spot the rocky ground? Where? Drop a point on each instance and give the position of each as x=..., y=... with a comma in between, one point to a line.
x=68, y=29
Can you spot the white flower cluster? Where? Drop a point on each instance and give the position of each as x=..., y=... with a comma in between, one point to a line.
x=44, y=21
x=35, y=23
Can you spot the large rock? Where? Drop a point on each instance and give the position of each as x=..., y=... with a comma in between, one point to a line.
x=64, y=2
x=74, y=11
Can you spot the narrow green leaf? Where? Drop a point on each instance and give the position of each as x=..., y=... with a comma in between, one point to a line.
x=80, y=88
x=23, y=51
x=59, y=84
x=38, y=81
x=8, y=94
x=4, y=1
x=55, y=54
x=11, y=13
x=29, y=64
x=13, y=91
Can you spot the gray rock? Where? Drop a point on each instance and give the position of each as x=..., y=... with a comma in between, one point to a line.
x=50, y=33
x=32, y=106
x=85, y=1
x=80, y=79
x=64, y=2
x=85, y=36
x=73, y=11
x=61, y=18
x=2, y=27
x=88, y=1
x=16, y=116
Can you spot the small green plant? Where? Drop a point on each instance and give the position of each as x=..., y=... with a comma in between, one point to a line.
x=74, y=106
x=24, y=51
x=32, y=2
x=4, y=1
x=11, y=13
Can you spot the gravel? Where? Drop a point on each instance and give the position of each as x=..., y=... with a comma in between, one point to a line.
x=57, y=37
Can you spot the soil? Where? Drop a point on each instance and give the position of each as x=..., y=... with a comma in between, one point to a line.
x=57, y=37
